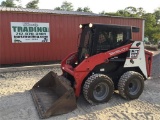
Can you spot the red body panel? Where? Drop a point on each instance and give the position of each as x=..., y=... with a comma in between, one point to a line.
x=149, y=58
x=87, y=65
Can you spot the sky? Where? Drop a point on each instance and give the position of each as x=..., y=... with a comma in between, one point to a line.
x=100, y=5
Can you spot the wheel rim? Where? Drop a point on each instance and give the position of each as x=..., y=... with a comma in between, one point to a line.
x=101, y=91
x=134, y=86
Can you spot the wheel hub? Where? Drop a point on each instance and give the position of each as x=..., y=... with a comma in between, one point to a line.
x=134, y=86
x=101, y=91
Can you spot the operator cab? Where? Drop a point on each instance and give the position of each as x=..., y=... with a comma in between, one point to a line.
x=98, y=38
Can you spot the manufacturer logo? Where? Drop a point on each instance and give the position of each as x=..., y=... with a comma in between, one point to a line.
x=133, y=53
x=118, y=51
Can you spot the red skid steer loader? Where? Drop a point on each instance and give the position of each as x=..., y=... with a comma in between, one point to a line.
x=107, y=59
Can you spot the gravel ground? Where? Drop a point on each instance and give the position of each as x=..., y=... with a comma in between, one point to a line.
x=16, y=102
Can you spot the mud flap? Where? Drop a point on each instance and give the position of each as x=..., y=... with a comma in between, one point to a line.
x=53, y=95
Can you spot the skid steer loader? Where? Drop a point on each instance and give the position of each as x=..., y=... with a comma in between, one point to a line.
x=107, y=59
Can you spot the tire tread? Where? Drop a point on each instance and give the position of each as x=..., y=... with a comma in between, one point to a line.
x=89, y=81
x=124, y=79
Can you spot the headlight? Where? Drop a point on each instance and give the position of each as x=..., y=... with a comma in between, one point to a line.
x=80, y=26
x=90, y=25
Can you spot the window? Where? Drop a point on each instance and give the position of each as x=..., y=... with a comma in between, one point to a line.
x=112, y=38
x=103, y=41
x=119, y=37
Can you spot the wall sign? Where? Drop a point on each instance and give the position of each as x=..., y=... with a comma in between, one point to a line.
x=28, y=32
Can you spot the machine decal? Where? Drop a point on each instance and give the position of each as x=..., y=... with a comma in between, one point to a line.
x=118, y=51
x=136, y=57
x=133, y=53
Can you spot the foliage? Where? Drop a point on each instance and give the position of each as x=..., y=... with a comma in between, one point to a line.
x=152, y=20
x=140, y=12
x=32, y=4
x=152, y=27
x=102, y=13
x=8, y=3
x=57, y=8
x=11, y=3
x=130, y=11
x=127, y=12
x=66, y=6
x=79, y=9
x=19, y=5
x=85, y=9
x=157, y=14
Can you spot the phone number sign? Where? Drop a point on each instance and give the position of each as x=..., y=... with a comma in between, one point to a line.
x=27, y=32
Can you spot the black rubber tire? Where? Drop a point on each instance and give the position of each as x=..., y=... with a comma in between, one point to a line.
x=127, y=82
x=92, y=82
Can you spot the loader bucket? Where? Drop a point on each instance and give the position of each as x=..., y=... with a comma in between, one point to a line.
x=52, y=95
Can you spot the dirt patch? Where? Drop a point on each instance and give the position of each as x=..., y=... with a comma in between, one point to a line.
x=17, y=104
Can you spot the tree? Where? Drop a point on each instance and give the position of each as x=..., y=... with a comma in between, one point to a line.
x=123, y=13
x=150, y=25
x=57, y=8
x=66, y=6
x=102, y=13
x=79, y=9
x=33, y=4
x=120, y=13
x=140, y=12
x=19, y=4
x=156, y=35
x=157, y=15
x=110, y=14
x=130, y=11
x=8, y=3
x=86, y=9
x=152, y=20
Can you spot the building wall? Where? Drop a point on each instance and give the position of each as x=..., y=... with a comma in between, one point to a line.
x=64, y=30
